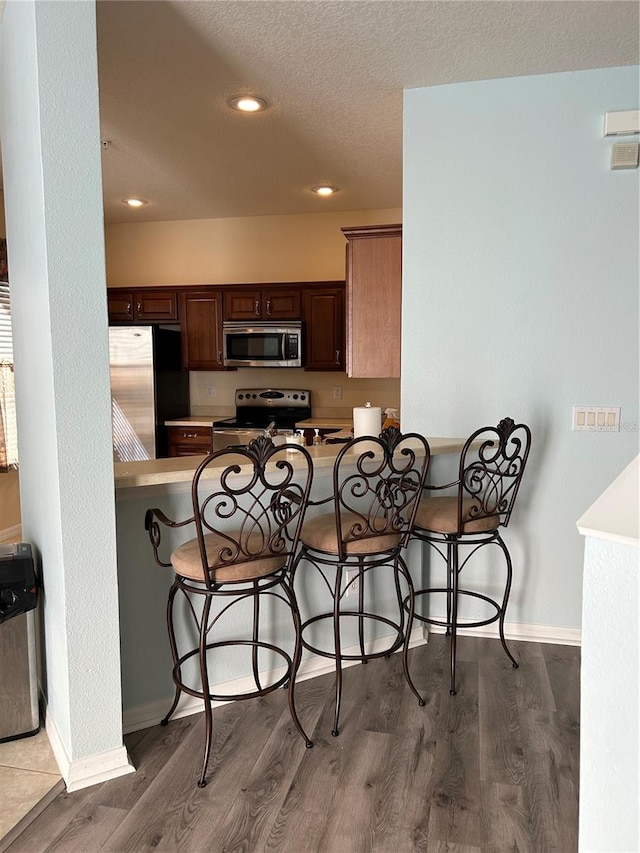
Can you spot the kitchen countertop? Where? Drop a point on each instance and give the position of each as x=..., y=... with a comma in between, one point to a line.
x=325, y=423
x=195, y=420
x=180, y=470
x=309, y=423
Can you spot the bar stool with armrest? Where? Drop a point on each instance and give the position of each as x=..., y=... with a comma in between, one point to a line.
x=248, y=507
x=377, y=483
x=492, y=463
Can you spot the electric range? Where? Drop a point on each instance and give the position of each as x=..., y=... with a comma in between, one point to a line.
x=257, y=409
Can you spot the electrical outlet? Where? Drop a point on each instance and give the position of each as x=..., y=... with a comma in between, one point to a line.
x=209, y=390
x=337, y=392
x=596, y=418
x=353, y=582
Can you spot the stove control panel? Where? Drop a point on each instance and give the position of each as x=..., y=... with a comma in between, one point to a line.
x=273, y=397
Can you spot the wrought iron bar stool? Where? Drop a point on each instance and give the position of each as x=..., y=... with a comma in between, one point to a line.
x=491, y=466
x=248, y=507
x=377, y=483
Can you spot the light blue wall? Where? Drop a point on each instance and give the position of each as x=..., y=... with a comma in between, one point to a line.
x=53, y=193
x=520, y=296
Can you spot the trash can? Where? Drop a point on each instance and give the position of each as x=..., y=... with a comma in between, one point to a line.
x=19, y=715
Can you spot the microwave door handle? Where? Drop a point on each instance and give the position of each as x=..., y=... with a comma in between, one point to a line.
x=284, y=346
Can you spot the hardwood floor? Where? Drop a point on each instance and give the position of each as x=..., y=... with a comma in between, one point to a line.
x=491, y=770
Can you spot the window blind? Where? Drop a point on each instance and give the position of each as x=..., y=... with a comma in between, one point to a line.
x=6, y=344
x=8, y=431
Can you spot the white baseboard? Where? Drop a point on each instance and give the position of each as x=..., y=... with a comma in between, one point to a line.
x=11, y=534
x=83, y=772
x=150, y=714
x=520, y=631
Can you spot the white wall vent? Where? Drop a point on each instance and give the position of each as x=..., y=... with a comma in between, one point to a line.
x=624, y=155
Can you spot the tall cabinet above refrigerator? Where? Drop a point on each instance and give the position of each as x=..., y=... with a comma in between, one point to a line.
x=148, y=387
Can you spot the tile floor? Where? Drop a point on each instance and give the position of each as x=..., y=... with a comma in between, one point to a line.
x=28, y=771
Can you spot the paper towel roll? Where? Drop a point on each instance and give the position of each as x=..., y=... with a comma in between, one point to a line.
x=367, y=420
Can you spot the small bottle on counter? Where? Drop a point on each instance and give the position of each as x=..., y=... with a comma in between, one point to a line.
x=391, y=419
x=316, y=437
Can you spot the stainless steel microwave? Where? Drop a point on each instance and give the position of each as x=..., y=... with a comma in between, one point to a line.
x=262, y=344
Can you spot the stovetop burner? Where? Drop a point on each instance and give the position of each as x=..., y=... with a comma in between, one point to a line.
x=258, y=407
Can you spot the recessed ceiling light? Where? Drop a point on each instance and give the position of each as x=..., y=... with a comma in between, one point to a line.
x=134, y=202
x=248, y=103
x=325, y=189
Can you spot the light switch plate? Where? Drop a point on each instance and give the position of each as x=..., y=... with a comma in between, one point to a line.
x=596, y=418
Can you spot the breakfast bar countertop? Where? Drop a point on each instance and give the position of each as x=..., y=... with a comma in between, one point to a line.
x=180, y=469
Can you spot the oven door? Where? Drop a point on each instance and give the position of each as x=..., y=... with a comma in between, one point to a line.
x=233, y=435
x=262, y=345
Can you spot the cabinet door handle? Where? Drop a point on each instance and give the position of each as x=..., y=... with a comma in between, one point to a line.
x=219, y=356
x=139, y=307
x=256, y=307
x=189, y=434
x=129, y=308
x=337, y=356
x=268, y=307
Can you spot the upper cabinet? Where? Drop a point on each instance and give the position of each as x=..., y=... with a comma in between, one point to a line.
x=201, y=322
x=142, y=306
x=323, y=312
x=202, y=310
x=374, y=300
x=264, y=303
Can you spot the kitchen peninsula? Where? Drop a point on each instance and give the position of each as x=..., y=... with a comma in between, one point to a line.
x=179, y=471
x=143, y=586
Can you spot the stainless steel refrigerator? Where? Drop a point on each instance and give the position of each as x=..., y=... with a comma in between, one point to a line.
x=148, y=387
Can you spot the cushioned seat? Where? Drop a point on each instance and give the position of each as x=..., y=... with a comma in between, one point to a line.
x=186, y=559
x=377, y=483
x=321, y=533
x=248, y=508
x=490, y=470
x=440, y=515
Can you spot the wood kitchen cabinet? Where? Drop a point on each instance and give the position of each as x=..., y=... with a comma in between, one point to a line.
x=374, y=300
x=142, y=306
x=323, y=313
x=265, y=303
x=189, y=440
x=201, y=323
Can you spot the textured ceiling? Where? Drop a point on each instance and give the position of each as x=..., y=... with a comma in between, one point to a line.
x=332, y=71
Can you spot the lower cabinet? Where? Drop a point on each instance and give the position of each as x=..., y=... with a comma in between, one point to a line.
x=189, y=441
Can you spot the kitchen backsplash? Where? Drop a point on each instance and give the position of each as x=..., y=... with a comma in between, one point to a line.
x=213, y=393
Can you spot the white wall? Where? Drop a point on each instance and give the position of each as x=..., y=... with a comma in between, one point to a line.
x=609, y=737
x=53, y=194
x=521, y=296
x=609, y=678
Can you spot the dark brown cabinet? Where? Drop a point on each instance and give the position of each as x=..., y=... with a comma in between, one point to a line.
x=201, y=323
x=189, y=440
x=323, y=312
x=269, y=303
x=142, y=306
x=201, y=311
